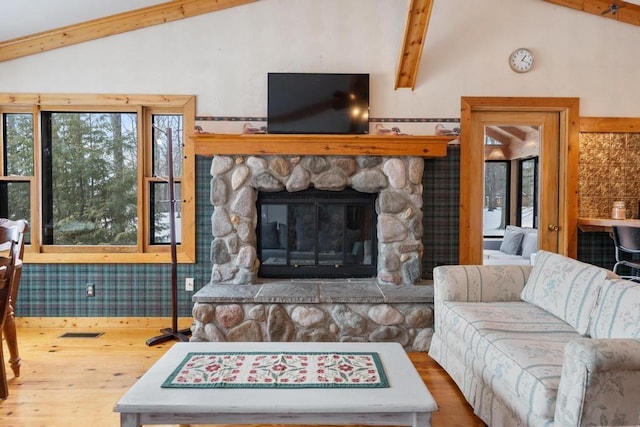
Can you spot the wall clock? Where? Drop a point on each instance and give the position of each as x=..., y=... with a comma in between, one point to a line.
x=521, y=60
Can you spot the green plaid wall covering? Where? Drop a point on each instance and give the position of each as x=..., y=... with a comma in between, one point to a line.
x=143, y=290
x=597, y=249
x=441, y=194
x=122, y=290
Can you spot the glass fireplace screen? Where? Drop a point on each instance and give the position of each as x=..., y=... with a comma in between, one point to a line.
x=317, y=233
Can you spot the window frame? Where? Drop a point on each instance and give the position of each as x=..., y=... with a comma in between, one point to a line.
x=144, y=106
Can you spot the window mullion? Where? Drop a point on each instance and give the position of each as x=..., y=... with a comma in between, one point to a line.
x=35, y=224
x=46, y=170
x=144, y=139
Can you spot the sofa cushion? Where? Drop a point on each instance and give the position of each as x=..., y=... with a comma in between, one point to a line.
x=617, y=314
x=565, y=288
x=512, y=240
x=519, y=349
x=494, y=257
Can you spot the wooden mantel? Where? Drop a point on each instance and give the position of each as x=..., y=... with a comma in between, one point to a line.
x=321, y=145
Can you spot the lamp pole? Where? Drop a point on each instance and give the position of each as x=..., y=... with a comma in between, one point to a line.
x=173, y=332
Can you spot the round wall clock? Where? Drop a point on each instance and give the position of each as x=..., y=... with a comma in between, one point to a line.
x=521, y=60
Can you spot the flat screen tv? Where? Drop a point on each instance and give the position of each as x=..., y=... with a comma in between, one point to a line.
x=318, y=103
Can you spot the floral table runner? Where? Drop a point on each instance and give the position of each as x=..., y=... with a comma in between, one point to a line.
x=278, y=370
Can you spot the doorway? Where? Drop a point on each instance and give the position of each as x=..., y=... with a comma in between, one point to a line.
x=557, y=119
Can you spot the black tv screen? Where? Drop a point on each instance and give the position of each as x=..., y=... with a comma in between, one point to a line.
x=318, y=103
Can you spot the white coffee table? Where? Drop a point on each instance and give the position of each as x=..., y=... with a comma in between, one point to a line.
x=407, y=402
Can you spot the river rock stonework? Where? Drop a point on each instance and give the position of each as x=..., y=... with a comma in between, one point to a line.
x=393, y=306
x=236, y=181
x=336, y=311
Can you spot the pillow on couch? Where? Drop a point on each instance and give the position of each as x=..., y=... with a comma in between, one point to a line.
x=617, y=314
x=512, y=240
x=529, y=243
x=564, y=287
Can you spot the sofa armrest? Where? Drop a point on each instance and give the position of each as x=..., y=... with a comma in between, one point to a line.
x=600, y=383
x=479, y=283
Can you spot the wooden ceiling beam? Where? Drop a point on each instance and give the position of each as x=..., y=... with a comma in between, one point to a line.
x=628, y=13
x=517, y=132
x=111, y=25
x=415, y=31
x=491, y=132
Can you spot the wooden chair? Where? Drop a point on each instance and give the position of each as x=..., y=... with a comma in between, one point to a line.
x=9, y=328
x=9, y=237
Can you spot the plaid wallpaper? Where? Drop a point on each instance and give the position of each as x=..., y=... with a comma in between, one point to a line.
x=144, y=290
x=122, y=290
x=441, y=193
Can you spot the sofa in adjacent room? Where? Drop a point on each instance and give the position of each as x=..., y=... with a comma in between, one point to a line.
x=516, y=247
x=556, y=344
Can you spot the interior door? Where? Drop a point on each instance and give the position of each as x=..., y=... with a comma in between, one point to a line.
x=548, y=185
x=472, y=169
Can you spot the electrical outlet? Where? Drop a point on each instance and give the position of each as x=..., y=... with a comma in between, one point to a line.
x=188, y=284
x=91, y=289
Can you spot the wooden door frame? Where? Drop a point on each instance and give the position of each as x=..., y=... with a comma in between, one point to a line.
x=472, y=170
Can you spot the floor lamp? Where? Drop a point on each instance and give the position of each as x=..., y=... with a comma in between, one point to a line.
x=172, y=332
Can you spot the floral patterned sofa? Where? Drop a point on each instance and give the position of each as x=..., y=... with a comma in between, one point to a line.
x=556, y=344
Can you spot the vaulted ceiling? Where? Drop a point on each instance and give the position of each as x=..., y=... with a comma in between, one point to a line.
x=416, y=25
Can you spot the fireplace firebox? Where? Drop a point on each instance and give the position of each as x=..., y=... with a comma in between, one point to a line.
x=317, y=234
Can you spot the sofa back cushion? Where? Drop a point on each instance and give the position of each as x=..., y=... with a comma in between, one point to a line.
x=564, y=287
x=617, y=313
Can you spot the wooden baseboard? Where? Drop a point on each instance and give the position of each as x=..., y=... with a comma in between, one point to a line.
x=101, y=322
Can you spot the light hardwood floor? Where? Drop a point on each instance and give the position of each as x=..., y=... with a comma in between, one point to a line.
x=77, y=381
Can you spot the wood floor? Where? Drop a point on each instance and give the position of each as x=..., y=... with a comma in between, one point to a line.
x=76, y=381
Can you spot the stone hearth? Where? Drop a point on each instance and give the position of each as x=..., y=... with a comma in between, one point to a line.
x=356, y=310
x=393, y=306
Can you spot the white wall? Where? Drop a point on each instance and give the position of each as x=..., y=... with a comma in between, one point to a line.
x=224, y=57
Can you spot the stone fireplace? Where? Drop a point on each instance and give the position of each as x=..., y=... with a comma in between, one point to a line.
x=236, y=181
x=392, y=305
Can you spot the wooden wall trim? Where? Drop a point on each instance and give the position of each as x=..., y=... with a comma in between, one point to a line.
x=628, y=13
x=111, y=25
x=609, y=124
x=415, y=32
x=99, y=323
x=87, y=100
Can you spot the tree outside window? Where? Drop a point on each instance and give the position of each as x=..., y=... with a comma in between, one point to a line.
x=90, y=178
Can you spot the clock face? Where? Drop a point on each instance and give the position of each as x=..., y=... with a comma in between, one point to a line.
x=521, y=60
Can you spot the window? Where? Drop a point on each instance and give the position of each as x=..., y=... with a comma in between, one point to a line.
x=496, y=197
x=17, y=166
x=528, y=194
x=93, y=181
x=89, y=178
x=166, y=128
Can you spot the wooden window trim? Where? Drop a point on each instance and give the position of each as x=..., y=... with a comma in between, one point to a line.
x=141, y=104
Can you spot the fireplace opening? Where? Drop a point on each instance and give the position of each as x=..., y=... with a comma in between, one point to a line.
x=317, y=234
